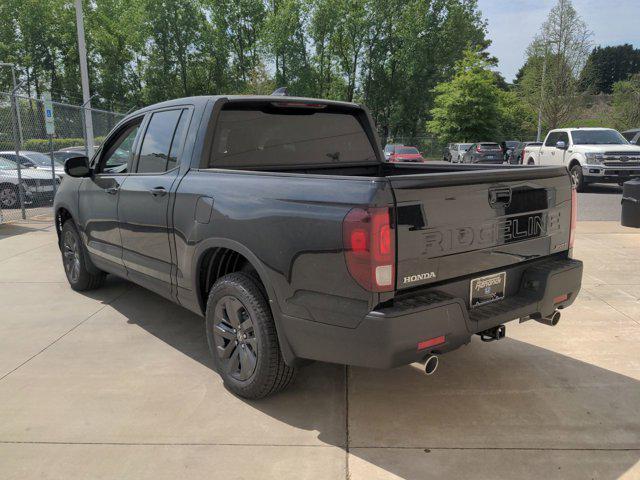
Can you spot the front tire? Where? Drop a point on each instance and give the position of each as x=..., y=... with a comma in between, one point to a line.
x=578, y=178
x=243, y=340
x=9, y=196
x=75, y=262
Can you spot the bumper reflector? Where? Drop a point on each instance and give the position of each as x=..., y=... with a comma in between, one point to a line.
x=560, y=298
x=432, y=342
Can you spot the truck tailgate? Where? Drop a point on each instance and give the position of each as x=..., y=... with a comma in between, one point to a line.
x=464, y=223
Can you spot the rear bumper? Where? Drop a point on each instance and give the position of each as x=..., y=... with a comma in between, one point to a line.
x=389, y=337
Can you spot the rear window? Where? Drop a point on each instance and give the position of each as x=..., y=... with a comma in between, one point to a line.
x=407, y=150
x=288, y=137
x=490, y=145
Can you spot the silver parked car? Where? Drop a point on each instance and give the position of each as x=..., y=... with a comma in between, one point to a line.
x=457, y=151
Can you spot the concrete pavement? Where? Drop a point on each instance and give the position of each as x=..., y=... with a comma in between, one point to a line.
x=118, y=384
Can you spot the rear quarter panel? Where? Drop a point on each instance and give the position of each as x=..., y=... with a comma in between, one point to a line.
x=290, y=228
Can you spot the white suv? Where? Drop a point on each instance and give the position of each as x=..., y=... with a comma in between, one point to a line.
x=600, y=155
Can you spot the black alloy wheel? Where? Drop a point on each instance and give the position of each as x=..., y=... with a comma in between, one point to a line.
x=235, y=338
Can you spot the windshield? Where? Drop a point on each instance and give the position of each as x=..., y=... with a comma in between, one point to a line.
x=464, y=146
x=407, y=151
x=597, y=137
x=40, y=159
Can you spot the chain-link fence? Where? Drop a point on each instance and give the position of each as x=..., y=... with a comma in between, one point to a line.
x=31, y=161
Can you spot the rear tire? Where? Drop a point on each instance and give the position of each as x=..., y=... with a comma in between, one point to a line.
x=243, y=340
x=75, y=261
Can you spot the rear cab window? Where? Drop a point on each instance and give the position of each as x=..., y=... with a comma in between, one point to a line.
x=265, y=136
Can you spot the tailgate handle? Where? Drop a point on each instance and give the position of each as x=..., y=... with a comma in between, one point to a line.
x=500, y=196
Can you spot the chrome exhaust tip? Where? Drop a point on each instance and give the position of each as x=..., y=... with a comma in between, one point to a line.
x=431, y=365
x=552, y=320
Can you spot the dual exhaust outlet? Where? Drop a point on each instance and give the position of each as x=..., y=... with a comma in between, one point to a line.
x=552, y=320
x=431, y=362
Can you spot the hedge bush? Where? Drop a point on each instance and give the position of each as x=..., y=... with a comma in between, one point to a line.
x=42, y=145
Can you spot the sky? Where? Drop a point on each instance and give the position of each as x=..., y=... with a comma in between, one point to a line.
x=512, y=24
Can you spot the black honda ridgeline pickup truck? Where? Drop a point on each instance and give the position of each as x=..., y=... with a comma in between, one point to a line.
x=278, y=220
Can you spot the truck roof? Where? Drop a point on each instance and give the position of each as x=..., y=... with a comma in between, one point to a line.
x=203, y=99
x=579, y=128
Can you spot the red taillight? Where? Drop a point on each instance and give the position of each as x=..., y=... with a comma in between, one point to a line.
x=369, y=248
x=478, y=149
x=574, y=216
x=523, y=155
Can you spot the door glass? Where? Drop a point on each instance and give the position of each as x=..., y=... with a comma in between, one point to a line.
x=563, y=137
x=178, y=140
x=154, y=154
x=117, y=157
x=552, y=139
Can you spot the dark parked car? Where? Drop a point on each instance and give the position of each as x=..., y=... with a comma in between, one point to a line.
x=633, y=135
x=507, y=148
x=64, y=153
x=483, y=152
x=515, y=158
x=278, y=221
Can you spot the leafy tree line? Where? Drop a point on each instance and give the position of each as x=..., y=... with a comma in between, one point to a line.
x=560, y=72
x=388, y=54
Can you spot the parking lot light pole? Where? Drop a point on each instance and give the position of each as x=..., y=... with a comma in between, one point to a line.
x=85, y=134
x=84, y=79
x=542, y=80
x=16, y=139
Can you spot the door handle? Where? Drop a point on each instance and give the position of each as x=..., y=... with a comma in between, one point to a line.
x=158, y=191
x=112, y=190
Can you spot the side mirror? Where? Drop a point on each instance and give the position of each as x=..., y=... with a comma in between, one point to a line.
x=77, y=167
x=561, y=145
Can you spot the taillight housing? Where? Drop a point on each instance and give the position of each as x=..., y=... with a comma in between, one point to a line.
x=574, y=217
x=370, y=248
x=478, y=149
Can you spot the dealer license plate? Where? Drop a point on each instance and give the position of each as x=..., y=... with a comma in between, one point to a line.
x=487, y=289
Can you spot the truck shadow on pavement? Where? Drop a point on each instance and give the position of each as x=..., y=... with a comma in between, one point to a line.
x=603, y=188
x=508, y=409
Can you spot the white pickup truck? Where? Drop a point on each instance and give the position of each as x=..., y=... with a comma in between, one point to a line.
x=592, y=155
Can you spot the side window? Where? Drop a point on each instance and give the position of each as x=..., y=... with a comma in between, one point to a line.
x=119, y=152
x=178, y=139
x=563, y=137
x=154, y=154
x=552, y=139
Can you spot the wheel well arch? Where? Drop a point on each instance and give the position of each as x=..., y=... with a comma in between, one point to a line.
x=61, y=216
x=573, y=162
x=218, y=261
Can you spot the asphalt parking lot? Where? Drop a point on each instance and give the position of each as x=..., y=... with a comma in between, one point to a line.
x=118, y=384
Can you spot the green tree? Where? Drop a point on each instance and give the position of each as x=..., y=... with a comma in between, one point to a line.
x=554, y=61
x=117, y=46
x=608, y=65
x=467, y=107
x=626, y=103
x=284, y=36
x=516, y=119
